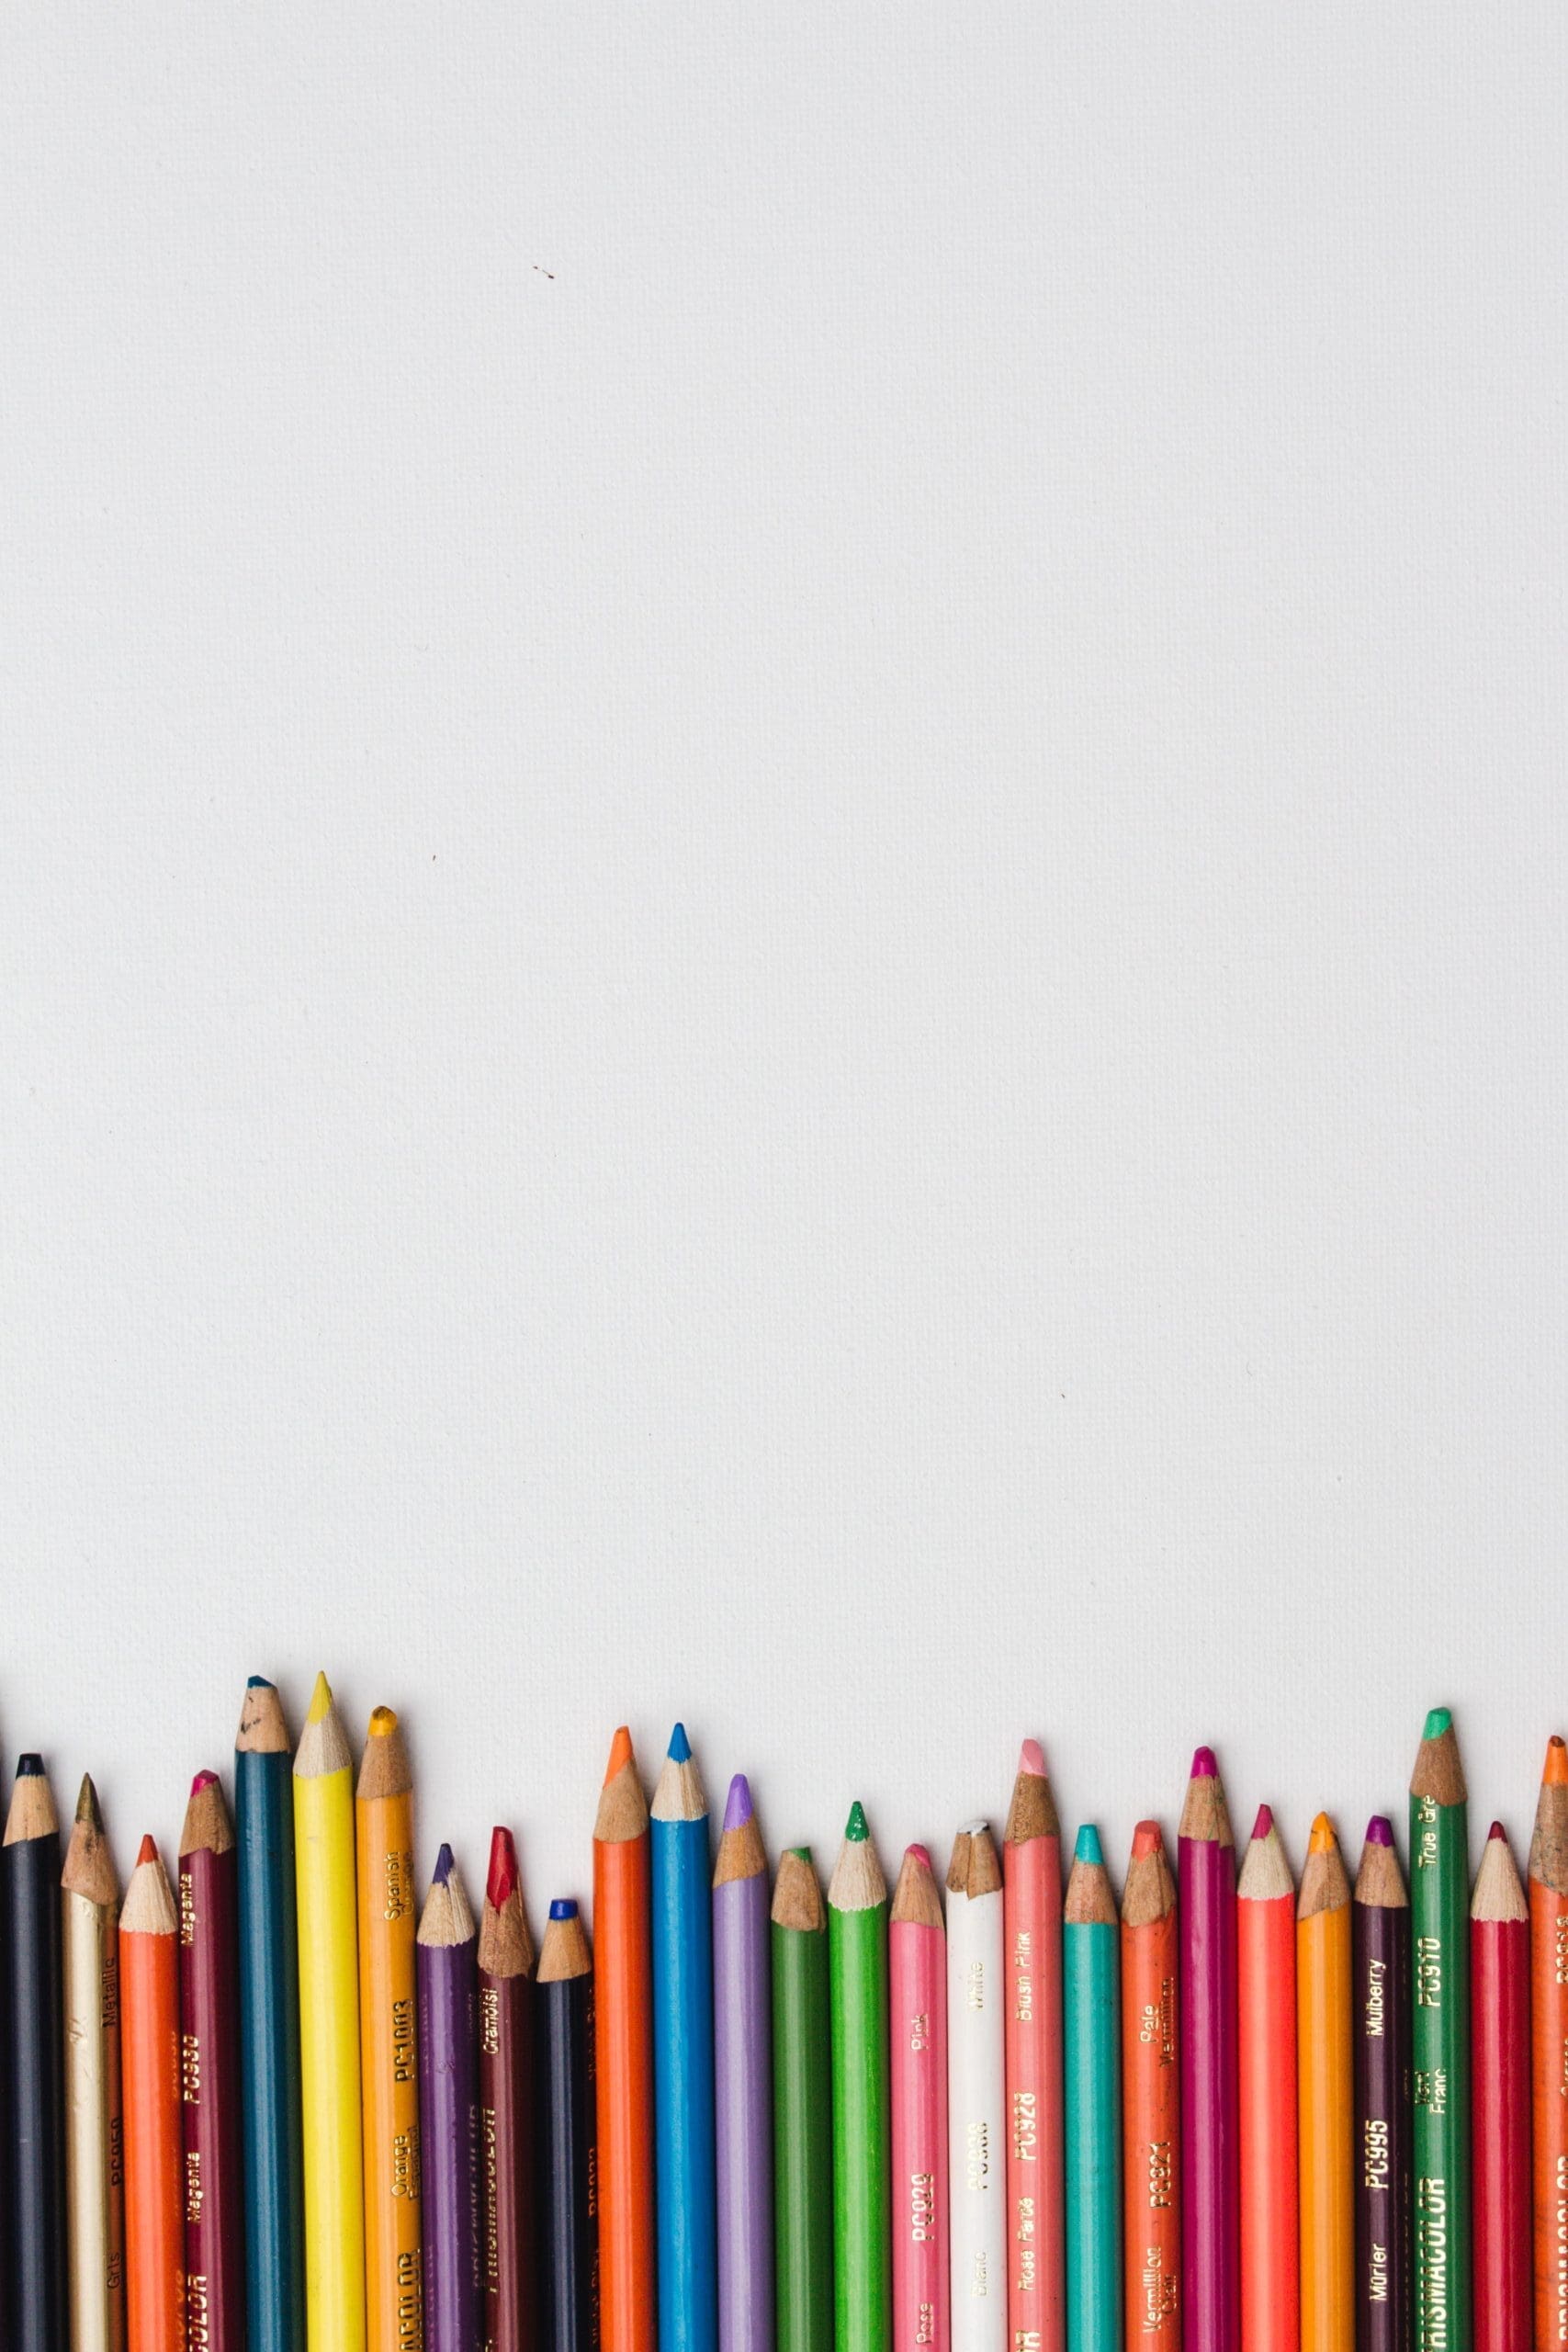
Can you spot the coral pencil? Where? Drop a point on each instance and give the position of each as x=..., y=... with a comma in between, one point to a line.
x=916, y=1998
x=743, y=2086
x=269, y=2025
x=624, y=2038
x=35, y=2052
x=149, y=2060
x=1327, y=2153
x=1380, y=2045
x=803, y=2109
x=1151, y=2200
x=857, y=1968
x=977, y=2094
x=1032, y=1935
x=506, y=2105
x=1211, y=2148
x=1439, y=2040
x=1500, y=2072
x=209, y=2073
x=95, y=2146
x=329, y=2030
x=1266, y=2015
x=389, y=2061
x=567, y=2238
x=1092, y=2110
x=448, y=1957
x=1549, y=2049
x=680, y=1869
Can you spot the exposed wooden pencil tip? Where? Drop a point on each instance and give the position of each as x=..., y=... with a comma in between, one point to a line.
x=916, y=1902
x=974, y=1868
x=1379, y=1882
x=1205, y=1817
x=1498, y=1895
x=1266, y=1869
x=1324, y=1885
x=798, y=1892
x=32, y=1813
x=149, y=1900
x=1439, y=1775
x=89, y=1868
x=208, y=1828
x=263, y=1730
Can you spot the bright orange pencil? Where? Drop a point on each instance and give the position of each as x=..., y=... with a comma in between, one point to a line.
x=1324, y=2075
x=150, y=2069
x=623, y=2034
x=1151, y=2131
x=1266, y=2001
x=1549, y=2045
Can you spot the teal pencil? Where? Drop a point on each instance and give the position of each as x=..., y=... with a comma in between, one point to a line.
x=269, y=2026
x=1092, y=2080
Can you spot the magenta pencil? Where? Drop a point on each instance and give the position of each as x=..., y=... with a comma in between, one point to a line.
x=1210, y=2135
x=743, y=2079
x=916, y=1978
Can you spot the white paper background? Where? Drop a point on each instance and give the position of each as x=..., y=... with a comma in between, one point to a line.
x=782, y=898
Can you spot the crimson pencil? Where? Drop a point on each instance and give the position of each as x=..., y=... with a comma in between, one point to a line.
x=1500, y=2101
x=506, y=2106
x=209, y=2073
x=1210, y=2246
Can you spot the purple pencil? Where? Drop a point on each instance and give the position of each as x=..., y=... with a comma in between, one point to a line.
x=449, y=2111
x=1210, y=2135
x=742, y=2034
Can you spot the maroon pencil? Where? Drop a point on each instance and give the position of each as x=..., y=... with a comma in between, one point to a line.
x=506, y=2116
x=1210, y=2130
x=209, y=2073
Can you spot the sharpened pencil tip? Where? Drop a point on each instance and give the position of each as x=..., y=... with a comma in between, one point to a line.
x=148, y=1851
x=1497, y=1830
x=204, y=1780
x=1380, y=1831
x=321, y=1705
x=1204, y=1765
x=383, y=1722
x=620, y=1754
x=1265, y=1821
x=443, y=1866
x=738, y=1807
x=1438, y=1721
x=1087, y=1850
x=855, y=1828
x=87, y=1803
x=920, y=1856
x=1032, y=1760
x=563, y=1907
x=1554, y=1772
x=259, y=1682
x=503, y=1875
x=1322, y=1840
x=680, y=1746
x=1147, y=1840
x=30, y=1768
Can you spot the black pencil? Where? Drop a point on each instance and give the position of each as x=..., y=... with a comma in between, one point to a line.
x=567, y=2174
x=35, y=2054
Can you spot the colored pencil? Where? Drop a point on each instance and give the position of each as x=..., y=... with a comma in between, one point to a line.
x=329, y=2030
x=857, y=1971
x=210, y=2073
x=803, y=2109
x=680, y=1869
x=1092, y=2100
x=506, y=2106
x=389, y=2058
x=1549, y=2048
x=94, y=2145
x=1032, y=1935
x=1211, y=2148
x=568, y=2240
x=624, y=2035
x=1150, y=2106
x=1439, y=2040
x=742, y=2069
x=1380, y=2008
x=977, y=2094
x=1500, y=2077
x=1327, y=2153
x=35, y=2058
x=449, y=2110
x=269, y=2025
x=916, y=1993
x=149, y=2060
x=1266, y=2017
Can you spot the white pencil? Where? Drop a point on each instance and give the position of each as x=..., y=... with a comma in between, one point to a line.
x=977, y=2099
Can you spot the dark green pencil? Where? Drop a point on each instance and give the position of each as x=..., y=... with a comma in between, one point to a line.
x=803, y=2110
x=269, y=2026
x=1439, y=2043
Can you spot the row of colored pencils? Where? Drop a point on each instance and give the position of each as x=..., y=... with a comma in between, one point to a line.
x=293, y=2104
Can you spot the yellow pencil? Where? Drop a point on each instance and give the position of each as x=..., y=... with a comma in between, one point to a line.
x=328, y=2032
x=1323, y=2047
x=383, y=1816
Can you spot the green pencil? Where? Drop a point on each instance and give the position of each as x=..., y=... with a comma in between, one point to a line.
x=857, y=1951
x=1091, y=2034
x=803, y=2110
x=1439, y=2043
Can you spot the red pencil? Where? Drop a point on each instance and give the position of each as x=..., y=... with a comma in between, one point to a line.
x=209, y=2073
x=1266, y=1977
x=1500, y=2101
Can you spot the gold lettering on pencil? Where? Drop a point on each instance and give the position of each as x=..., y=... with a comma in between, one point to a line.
x=490, y=2021
x=925, y=2324
x=1429, y=1972
x=404, y=2064
x=921, y=2031
x=1432, y=2265
x=197, y=2327
x=922, y=2208
x=399, y=1887
x=975, y=1985
x=1373, y=2014
x=1024, y=2136
x=193, y=2184
x=1156, y=2022
x=977, y=2146
x=410, y=2301
x=1159, y=2286
x=405, y=2165
x=1374, y=2154
x=191, y=2069
x=1161, y=2176
x=1023, y=1977
x=187, y=1910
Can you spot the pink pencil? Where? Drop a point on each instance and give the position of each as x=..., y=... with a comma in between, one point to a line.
x=1031, y=1937
x=916, y=1984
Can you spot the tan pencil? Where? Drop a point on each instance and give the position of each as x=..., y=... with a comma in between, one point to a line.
x=95, y=2171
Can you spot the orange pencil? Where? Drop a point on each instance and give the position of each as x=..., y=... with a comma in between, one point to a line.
x=150, y=2067
x=1327, y=2137
x=1549, y=2045
x=1266, y=2001
x=623, y=2034
x=1151, y=2135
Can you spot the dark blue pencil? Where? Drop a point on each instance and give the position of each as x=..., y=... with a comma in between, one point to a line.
x=269, y=2026
x=682, y=2057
